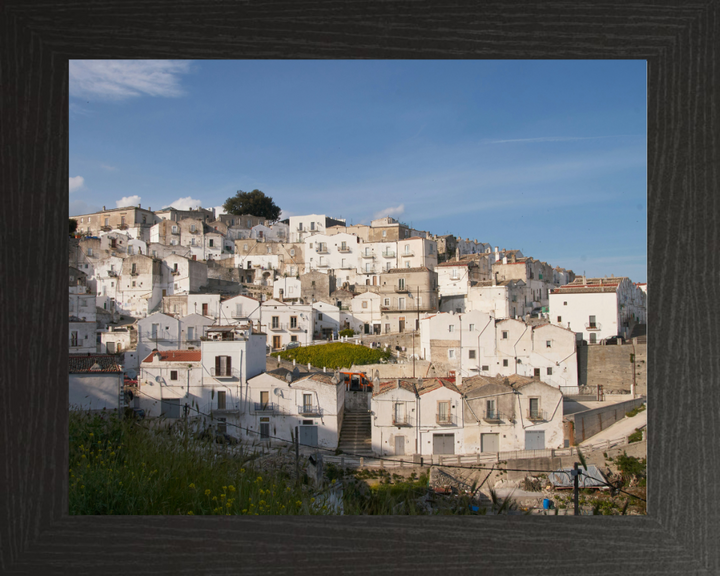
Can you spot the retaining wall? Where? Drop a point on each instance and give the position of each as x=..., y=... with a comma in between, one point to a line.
x=590, y=422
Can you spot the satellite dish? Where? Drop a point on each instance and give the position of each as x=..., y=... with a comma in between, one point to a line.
x=278, y=392
x=289, y=377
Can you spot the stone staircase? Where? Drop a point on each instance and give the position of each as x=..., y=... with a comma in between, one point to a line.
x=355, y=435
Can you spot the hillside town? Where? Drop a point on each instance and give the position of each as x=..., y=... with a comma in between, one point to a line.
x=174, y=314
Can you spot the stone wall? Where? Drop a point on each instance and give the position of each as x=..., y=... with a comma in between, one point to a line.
x=590, y=422
x=356, y=401
x=611, y=367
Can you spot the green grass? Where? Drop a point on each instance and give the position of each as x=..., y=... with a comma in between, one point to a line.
x=130, y=467
x=335, y=355
x=635, y=411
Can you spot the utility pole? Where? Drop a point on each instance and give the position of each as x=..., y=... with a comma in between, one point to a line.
x=297, y=457
x=576, y=485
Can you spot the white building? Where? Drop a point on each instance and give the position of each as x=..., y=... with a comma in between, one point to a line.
x=508, y=414
x=192, y=328
x=503, y=299
x=286, y=322
x=240, y=309
x=280, y=404
x=287, y=288
x=300, y=227
x=157, y=331
x=417, y=417
x=338, y=252
x=326, y=321
x=366, y=308
x=595, y=308
x=169, y=380
x=95, y=382
x=417, y=252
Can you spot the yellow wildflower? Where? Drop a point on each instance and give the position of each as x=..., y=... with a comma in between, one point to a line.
x=191, y=513
x=191, y=486
x=231, y=488
x=207, y=492
x=224, y=488
x=312, y=500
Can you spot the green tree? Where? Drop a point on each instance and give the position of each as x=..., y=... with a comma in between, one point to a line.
x=73, y=225
x=255, y=203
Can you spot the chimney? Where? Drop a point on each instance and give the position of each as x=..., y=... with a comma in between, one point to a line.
x=138, y=205
x=494, y=279
x=103, y=207
x=504, y=260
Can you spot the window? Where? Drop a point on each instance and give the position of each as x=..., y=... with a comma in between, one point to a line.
x=264, y=428
x=549, y=371
x=174, y=229
x=387, y=328
x=307, y=402
x=244, y=247
x=293, y=321
x=90, y=252
x=192, y=241
x=191, y=333
x=591, y=322
x=269, y=249
x=451, y=328
x=471, y=327
x=564, y=303
x=343, y=246
x=319, y=316
x=384, y=233
x=293, y=338
x=173, y=374
x=211, y=243
x=175, y=267
x=192, y=227
x=407, y=248
x=401, y=303
x=367, y=251
x=504, y=335
x=275, y=322
x=386, y=302
x=505, y=363
x=133, y=284
x=485, y=368
x=74, y=338
x=223, y=366
x=593, y=338
x=548, y=343
x=519, y=361
x=536, y=372
x=559, y=319
x=407, y=264
x=443, y=414
x=292, y=251
x=471, y=354
x=312, y=225
x=451, y=353
x=490, y=408
x=534, y=407
x=364, y=304
x=401, y=283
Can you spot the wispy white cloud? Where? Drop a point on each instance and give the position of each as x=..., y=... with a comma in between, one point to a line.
x=108, y=167
x=396, y=211
x=119, y=79
x=128, y=201
x=76, y=182
x=186, y=203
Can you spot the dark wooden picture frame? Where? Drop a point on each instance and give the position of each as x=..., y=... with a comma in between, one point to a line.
x=679, y=41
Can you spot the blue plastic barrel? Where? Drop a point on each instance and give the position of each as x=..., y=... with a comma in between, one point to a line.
x=547, y=503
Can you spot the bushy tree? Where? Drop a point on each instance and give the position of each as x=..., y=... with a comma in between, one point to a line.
x=73, y=225
x=255, y=203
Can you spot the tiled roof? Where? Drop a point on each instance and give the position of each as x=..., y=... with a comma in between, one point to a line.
x=80, y=364
x=428, y=385
x=404, y=270
x=177, y=356
x=455, y=263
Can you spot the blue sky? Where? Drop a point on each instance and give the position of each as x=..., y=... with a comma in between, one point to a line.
x=544, y=156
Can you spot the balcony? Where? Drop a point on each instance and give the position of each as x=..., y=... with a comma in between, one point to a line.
x=388, y=254
x=401, y=289
x=445, y=419
x=175, y=272
x=347, y=267
x=322, y=250
x=296, y=328
x=536, y=415
x=401, y=421
x=123, y=226
x=493, y=417
x=367, y=255
x=106, y=228
x=134, y=273
x=233, y=374
x=194, y=231
x=593, y=326
x=344, y=250
x=407, y=253
x=309, y=410
x=323, y=265
x=278, y=327
x=112, y=273
x=267, y=408
x=176, y=232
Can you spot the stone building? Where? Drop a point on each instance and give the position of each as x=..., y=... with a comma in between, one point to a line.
x=405, y=294
x=135, y=220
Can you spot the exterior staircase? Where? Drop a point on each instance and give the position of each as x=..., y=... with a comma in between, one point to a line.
x=355, y=435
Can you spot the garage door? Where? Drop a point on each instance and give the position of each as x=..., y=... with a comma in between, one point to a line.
x=443, y=443
x=308, y=435
x=535, y=440
x=490, y=442
x=170, y=407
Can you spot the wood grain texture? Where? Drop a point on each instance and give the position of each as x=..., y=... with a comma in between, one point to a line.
x=680, y=42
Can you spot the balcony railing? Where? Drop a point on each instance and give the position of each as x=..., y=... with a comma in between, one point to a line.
x=310, y=410
x=176, y=232
x=347, y=266
x=278, y=327
x=401, y=289
x=232, y=373
x=175, y=272
x=105, y=228
x=401, y=421
x=593, y=326
x=367, y=255
x=296, y=328
x=493, y=416
x=537, y=415
x=267, y=407
x=195, y=231
x=123, y=226
x=322, y=251
x=445, y=419
x=323, y=265
x=345, y=250
x=135, y=273
x=388, y=254
x=408, y=253
x=112, y=273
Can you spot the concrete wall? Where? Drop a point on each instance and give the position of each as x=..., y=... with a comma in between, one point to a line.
x=610, y=367
x=590, y=422
x=356, y=401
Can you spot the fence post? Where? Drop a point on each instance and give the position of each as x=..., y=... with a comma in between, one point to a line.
x=362, y=460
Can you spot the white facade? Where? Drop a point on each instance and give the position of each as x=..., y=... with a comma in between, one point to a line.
x=365, y=308
x=338, y=252
x=82, y=303
x=405, y=424
x=135, y=246
x=170, y=379
x=300, y=227
x=504, y=299
x=204, y=304
x=502, y=418
x=285, y=322
x=114, y=340
x=326, y=321
x=192, y=329
x=90, y=391
x=182, y=275
x=157, y=331
x=287, y=288
x=313, y=404
x=239, y=308
x=417, y=252
x=82, y=337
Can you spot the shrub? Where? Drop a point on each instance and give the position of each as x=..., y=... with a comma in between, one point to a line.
x=635, y=411
x=347, y=332
x=635, y=436
x=335, y=355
